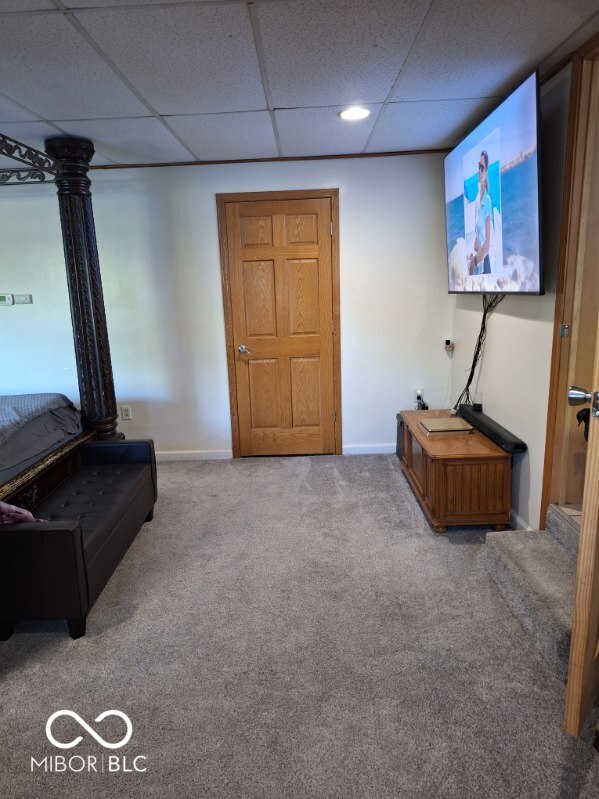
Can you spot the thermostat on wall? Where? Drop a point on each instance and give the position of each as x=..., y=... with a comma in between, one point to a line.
x=6, y=299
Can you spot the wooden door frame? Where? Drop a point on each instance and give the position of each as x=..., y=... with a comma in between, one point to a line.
x=583, y=663
x=302, y=194
x=578, y=115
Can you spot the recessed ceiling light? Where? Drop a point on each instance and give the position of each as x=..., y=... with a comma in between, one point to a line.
x=355, y=112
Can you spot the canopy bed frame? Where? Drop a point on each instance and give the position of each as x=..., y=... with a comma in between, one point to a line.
x=92, y=496
x=66, y=161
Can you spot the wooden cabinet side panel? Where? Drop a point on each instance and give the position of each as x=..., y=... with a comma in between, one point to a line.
x=417, y=465
x=475, y=488
x=407, y=445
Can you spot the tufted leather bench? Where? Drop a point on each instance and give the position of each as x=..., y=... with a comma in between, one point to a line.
x=59, y=568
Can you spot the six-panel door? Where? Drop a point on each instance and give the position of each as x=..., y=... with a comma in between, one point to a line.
x=281, y=295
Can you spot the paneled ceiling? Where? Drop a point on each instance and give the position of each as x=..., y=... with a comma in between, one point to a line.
x=162, y=81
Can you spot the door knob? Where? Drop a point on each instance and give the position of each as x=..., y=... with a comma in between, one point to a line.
x=580, y=396
x=243, y=350
x=577, y=395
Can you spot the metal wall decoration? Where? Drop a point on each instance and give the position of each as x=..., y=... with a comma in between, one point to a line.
x=41, y=164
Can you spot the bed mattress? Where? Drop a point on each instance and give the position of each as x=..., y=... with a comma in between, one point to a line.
x=31, y=427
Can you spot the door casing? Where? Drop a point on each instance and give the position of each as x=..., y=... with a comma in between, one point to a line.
x=578, y=121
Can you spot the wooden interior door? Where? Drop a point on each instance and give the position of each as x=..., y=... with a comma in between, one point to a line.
x=583, y=669
x=279, y=255
x=585, y=308
x=575, y=461
x=577, y=291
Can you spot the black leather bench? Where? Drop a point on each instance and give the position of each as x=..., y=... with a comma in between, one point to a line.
x=57, y=569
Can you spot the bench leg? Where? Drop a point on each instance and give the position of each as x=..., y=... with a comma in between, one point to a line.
x=7, y=628
x=77, y=627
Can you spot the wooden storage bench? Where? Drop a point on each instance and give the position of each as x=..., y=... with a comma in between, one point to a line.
x=458, y=478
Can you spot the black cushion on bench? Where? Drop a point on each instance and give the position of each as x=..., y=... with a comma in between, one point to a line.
x=96, y=496
x=58, y=569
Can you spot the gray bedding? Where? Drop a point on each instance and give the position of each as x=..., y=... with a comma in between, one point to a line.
x=32, y=426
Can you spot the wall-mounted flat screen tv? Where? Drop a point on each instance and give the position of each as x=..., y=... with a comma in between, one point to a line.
x=492, y=201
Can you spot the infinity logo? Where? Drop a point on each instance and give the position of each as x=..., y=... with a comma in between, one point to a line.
x=88, y=729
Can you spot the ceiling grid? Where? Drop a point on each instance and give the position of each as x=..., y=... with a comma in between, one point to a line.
x=171, y=81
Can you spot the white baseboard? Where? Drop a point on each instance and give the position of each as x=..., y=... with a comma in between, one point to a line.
x=225, y=454
x=518, y=522
x=369, y=449
x=193, y=455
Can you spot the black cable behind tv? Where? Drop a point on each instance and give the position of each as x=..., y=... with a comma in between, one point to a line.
x=498, y=434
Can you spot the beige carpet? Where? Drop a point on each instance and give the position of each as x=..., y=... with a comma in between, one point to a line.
x=292, y=627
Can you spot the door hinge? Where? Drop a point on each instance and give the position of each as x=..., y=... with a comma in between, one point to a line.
x=334, y=415
x=564, y=331
x=331, y=228
x=333, y=327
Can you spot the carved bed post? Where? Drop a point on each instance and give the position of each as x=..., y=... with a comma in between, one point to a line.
x=90, y=333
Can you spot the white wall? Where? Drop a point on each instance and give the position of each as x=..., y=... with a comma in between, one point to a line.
x=514, y=376
x=158, y=244
x=36, y=341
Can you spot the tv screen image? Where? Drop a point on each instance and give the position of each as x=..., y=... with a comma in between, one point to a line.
x=492, y=201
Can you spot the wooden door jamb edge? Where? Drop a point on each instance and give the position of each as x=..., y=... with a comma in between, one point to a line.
x=221, y=210
x=569, y=234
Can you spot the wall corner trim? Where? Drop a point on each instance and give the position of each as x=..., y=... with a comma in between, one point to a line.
x=518, y=523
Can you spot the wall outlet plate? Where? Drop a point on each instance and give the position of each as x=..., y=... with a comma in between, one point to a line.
x=126, y=413
x=23, y=299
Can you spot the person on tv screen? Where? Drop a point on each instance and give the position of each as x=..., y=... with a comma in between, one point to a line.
x=479, y=262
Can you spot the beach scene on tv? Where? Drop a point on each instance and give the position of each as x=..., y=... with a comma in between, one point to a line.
x=491, y=201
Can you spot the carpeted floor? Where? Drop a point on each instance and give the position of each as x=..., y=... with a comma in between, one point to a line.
x=292, y=627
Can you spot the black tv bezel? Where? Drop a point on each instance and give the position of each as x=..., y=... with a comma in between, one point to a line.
x=541, y=290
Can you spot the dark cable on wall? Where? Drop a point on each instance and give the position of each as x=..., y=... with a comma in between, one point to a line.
x=490, y=302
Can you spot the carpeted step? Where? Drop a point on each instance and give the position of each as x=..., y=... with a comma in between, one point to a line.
x=565, y=531
x=536, y=577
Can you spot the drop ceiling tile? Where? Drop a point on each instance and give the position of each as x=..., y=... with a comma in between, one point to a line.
x=480, y=49
x=425, y=125
x=51, y=69
x=575, y=40
x=25, y=5
x=227, y=137
x=323, y=52
x=130, y=141
x=183, y=59
x=11, y=112
x=103, y=3
x=320, y=131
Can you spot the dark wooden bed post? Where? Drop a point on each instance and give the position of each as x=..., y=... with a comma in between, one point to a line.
x=90, y=333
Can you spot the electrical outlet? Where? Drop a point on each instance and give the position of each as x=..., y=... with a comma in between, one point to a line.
x=126, y=413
